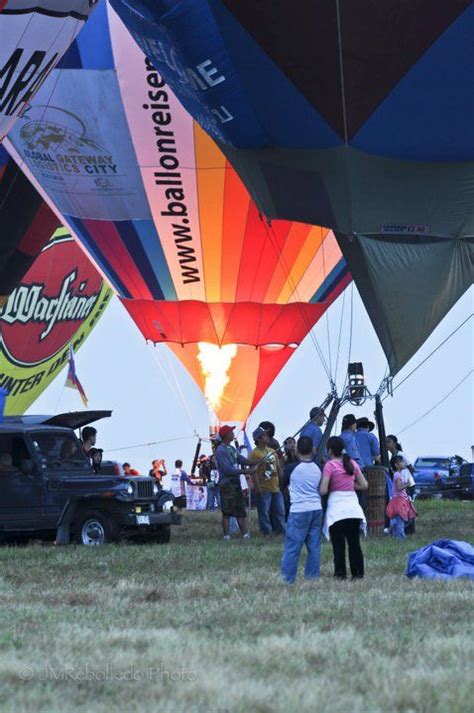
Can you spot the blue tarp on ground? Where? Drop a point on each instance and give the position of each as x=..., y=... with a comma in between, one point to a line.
x=443, y=559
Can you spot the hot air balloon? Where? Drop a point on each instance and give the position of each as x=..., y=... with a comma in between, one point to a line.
x=27, y=224
x=57, y=304
x=354, y=115
x=33, y=36
x=167, y=219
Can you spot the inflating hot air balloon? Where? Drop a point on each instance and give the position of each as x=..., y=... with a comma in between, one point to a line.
x=167, y=219
x=57, y=304
x=352, y=114
x=26, y=224
x=34, y=34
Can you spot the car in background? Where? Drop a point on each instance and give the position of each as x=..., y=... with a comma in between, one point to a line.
x=435, y=475
x=460, y=483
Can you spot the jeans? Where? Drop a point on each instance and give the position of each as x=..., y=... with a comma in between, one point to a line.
x=342, y=530
x=271, y=503
x=398, y=529
x=213, y=498
x=302, y=528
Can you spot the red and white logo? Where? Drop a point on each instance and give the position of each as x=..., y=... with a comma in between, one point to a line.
x=55, y=297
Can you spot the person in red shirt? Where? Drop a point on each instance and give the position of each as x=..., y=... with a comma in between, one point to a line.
x=128, y=470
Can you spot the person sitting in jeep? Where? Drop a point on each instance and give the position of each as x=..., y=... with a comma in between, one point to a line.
x=95, y=455
x=89, y=437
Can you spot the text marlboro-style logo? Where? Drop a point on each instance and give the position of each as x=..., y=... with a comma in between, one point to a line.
x=42, y=314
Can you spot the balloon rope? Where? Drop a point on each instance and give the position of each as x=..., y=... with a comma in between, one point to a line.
x=151, y=443
x=438, y=403
x=174, y=388
x=430, y=354
x=299, y=301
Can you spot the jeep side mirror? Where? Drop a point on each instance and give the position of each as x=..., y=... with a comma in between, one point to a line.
x=27, y=466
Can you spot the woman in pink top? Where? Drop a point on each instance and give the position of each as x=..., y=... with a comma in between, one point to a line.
x=344, y=516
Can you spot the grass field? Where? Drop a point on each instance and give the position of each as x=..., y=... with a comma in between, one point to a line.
x=203, y=625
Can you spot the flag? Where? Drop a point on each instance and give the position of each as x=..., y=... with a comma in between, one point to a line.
x=72, y=382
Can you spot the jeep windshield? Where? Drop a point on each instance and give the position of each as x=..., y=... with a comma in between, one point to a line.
x=59, y=451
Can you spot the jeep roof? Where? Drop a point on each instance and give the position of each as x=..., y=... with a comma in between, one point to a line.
x=70, y=420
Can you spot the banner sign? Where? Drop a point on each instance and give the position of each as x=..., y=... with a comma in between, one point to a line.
x=57, y=304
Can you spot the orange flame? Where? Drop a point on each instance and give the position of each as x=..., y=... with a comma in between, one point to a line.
x=215, y=363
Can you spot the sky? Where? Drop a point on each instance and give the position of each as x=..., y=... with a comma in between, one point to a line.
x=155, y=401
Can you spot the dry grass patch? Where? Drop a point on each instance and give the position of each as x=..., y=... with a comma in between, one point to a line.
x=201, y=625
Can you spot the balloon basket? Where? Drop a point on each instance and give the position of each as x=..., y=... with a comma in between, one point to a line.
x=376, y=499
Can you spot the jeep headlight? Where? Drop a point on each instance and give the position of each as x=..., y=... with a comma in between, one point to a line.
x=155, y=489
x=130, y=489
x=168, y=506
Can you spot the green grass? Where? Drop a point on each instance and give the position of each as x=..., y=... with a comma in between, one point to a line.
x=203, y=625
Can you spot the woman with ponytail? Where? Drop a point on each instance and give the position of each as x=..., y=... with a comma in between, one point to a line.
x=344, y=516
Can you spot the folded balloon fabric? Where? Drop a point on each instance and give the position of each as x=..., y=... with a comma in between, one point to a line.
x=443, y=559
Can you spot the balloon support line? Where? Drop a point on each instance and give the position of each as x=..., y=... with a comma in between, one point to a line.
x=438, y=403
x=429, y=355
x=150, y=443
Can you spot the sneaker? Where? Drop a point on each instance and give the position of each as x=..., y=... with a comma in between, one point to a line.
x=227, y=538
x=246, y=536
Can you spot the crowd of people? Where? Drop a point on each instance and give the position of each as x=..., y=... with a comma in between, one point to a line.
x=301, y=490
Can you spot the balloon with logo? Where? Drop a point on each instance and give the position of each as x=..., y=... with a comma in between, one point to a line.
x=57, y=304
x=33, y=37
x=167, y=219
x=354, y=115
x=27, y=224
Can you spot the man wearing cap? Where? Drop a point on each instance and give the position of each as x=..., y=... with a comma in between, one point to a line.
x=270, y=502
x=367, y=442
x=313, y=428
x=228, y=460
x=349, y=425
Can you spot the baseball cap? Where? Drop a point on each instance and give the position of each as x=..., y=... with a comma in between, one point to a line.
x=225, y=430
x=258, y=433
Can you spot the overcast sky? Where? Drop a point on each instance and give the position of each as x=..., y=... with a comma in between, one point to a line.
x=120, y=372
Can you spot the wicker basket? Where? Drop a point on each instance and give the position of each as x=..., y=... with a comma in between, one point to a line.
x=376, y=498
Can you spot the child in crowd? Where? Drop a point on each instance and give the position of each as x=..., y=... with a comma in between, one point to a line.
x=400, y=508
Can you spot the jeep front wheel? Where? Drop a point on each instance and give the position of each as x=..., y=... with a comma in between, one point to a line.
x=95, y=528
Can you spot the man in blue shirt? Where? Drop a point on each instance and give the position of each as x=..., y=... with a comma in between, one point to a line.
x=367, y=442
x=313, y=428
x=349, y=425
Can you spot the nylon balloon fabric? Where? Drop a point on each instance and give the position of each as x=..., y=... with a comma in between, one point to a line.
x=34, y=34
x=26, y=225
x=167, y=219
x=356, y=115
x=363, y=108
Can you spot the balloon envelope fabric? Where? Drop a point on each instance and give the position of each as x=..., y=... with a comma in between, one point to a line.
x=164, y=215
x=33, y=36
x=26, y=224
x=354, y=115
x=443, y=559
